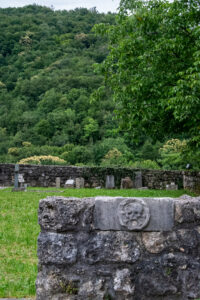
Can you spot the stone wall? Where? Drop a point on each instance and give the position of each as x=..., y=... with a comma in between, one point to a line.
x=45, y=176
x=119, y=249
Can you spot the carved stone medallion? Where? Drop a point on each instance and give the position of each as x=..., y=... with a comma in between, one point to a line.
x=133, y=214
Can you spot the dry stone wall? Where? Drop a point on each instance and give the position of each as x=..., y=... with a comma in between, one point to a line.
x=119, y=249
x=47, y=176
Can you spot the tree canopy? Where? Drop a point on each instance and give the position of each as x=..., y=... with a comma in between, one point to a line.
x=46, y=77
x=153, y=68
x=148, y=55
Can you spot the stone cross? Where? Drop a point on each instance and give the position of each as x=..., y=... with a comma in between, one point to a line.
x=16, y=182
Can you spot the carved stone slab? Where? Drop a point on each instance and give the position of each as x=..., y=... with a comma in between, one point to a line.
x=145, y=214
x=133, y=214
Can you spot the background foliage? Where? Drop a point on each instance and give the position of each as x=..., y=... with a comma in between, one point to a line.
x=53, y=103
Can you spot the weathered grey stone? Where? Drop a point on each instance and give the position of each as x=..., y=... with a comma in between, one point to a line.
x=80, y=183
x=172, y=186
x=188, y=239
x=133, y=214
x=69, y=183
x=79, y=261
x=20, y=178
x=153, y=241
x=160, y=215
x=53, y=282
x=110, y=182
x=94, y=288
x=138, y=180
x=57, y=182
x=126, y=183
x=16, y=181
x=111, y=247
x=123, y=284
x=185, y=197
x=60, y=214
x=154, y=284
x=187, y=210
x=57, y=248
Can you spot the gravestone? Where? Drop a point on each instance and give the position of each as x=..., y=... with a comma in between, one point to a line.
x=69, y=183
x=138, y=180
x=57, y=182
x=80, y=183
x=21, y=179
x=110, y=182
x=126, y=183
x=172, y=187
x=18, y=180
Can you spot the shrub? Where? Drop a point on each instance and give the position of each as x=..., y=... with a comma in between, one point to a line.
x=26, y=144
x=79, y=154
x=101, y=148
x=13, y=151
x=114, y=158
x=43, y=160
x=172, y=154
x=145, y=164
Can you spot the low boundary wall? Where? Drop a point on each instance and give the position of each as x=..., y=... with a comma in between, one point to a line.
x=119, y=249
x=45, y=176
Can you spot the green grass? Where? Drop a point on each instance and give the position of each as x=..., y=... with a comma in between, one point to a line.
x=19, y=231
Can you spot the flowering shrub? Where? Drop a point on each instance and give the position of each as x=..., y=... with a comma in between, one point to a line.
x=13, y=151
x=173, y=145
x=43, y=160
x=172, y=154
x=26, y=144
x=113, y=158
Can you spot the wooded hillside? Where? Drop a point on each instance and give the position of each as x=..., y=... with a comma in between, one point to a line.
x=46, y=81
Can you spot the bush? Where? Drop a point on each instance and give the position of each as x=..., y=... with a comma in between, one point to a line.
x=100, y=149
x=43, y=160
x=13, y=151
x=26, y=144
x=114, y=158
x=173, y=154
x=79, y=155
x=145, y=164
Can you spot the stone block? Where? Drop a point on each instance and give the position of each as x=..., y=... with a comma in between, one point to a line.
x=110, y=182
x=172, y=187
x=154, y=242
x=70, y=183
x=57, y=248
x=123, y=283
x=57, y=182
x=61, y=214
x=126, y=183
x=21, y=178
x=138, y=180
x=112, y=247
x=187, y=210
x=147, y=214
x=80, y=183
x=118, y=248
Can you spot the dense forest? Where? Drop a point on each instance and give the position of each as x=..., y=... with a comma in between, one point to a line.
x=50, y=110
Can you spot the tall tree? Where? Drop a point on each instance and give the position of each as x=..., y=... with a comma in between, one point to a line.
x=153, y=67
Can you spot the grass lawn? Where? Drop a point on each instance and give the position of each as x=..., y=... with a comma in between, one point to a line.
x=19, y=231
